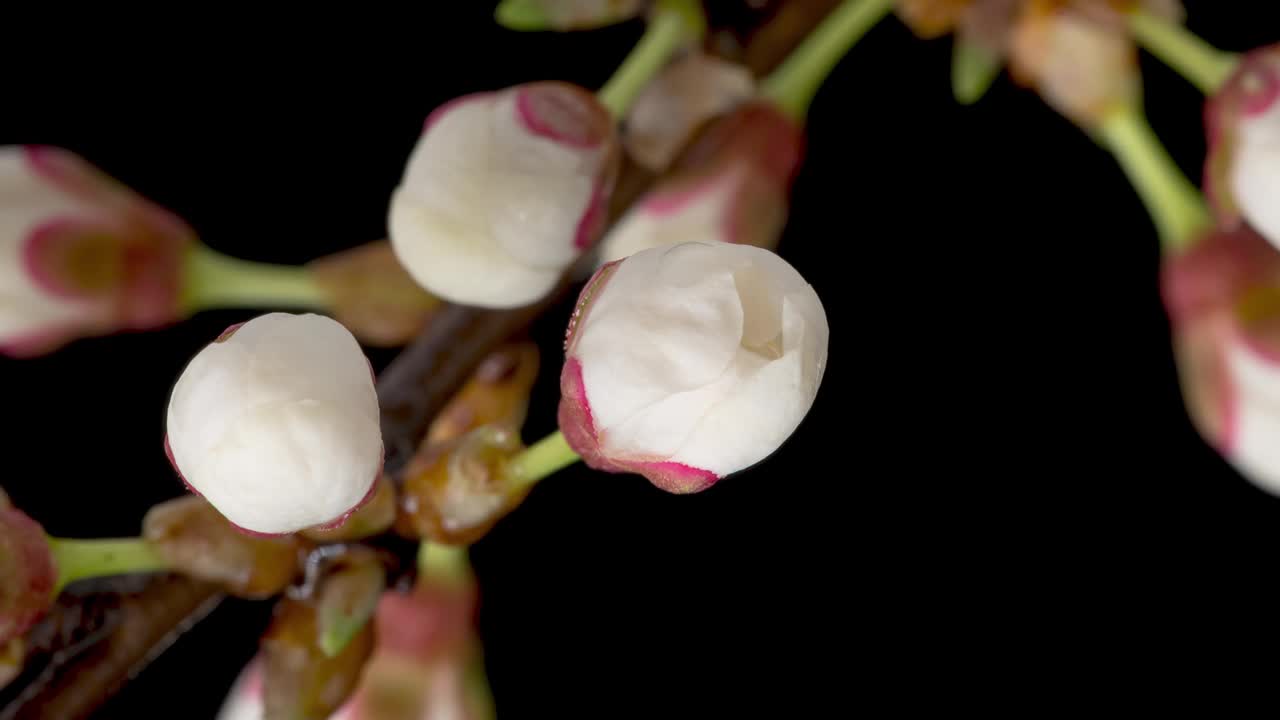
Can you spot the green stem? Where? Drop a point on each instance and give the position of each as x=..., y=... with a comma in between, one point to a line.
x=674, y=24
x=540, y=459
x=795, y=82
x=443, y=563
x=80, y=559
x=1199, y=62
x=214, y=280
x=1175, y=205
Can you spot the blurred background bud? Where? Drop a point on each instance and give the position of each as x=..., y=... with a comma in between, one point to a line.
x=80, y=254
x=27, y=573
x=690, y=90
x=1081, y=67
x=1223, y=299
x=731, y=184
x=1242, y=168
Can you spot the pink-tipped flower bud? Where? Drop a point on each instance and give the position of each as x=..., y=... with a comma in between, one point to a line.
x=276, y=424
x=688, y=363
x=82, y=254
x=1223, y=299
x=731, y=185
x=27, y=573
x=503, y=193
x=1242, y=169
x=691, y=90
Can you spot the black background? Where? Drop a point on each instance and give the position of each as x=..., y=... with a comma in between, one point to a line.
x=997, y=475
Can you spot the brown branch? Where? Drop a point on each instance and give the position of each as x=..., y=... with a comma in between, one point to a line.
x=95, y=640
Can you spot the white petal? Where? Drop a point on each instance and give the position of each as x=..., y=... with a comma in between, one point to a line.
x=277, y=426
x=666, y=322
x=1255, y=173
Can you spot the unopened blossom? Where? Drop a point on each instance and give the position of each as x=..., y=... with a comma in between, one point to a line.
x=27, y=573
x=690, y=362
x=1223, y=298
x=503, y=192
x=690, y=90
x=1082, y=67
x=80, y=254
x=276, y=424
x=730, y=185
x=1242, y=171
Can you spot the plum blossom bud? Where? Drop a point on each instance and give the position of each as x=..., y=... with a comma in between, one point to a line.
x=503, y=192
x=1242, y=170
x=82, y=254
x=27, y=573
x=692, y=89
x=1082, y=67
x=1223, y=299
x=276, y=424
x=194, y=538
x=688, y=363
x=730, y=185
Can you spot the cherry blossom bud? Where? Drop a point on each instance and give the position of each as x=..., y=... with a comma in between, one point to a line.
x=196, y=540
x=1223, y=298
x=692, y=89
x=1242, y=170
x=688, y=363
x=27, y=573
x=730, y=185
x=372, y=295
x=276, y=424
x=1082, y=67
x=503, y=192
x=83, y=255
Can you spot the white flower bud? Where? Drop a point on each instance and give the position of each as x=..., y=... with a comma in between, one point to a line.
x=691, y=362
x=80, y=254
x=1255, y=172
x=503, y=192
x=276, y=424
